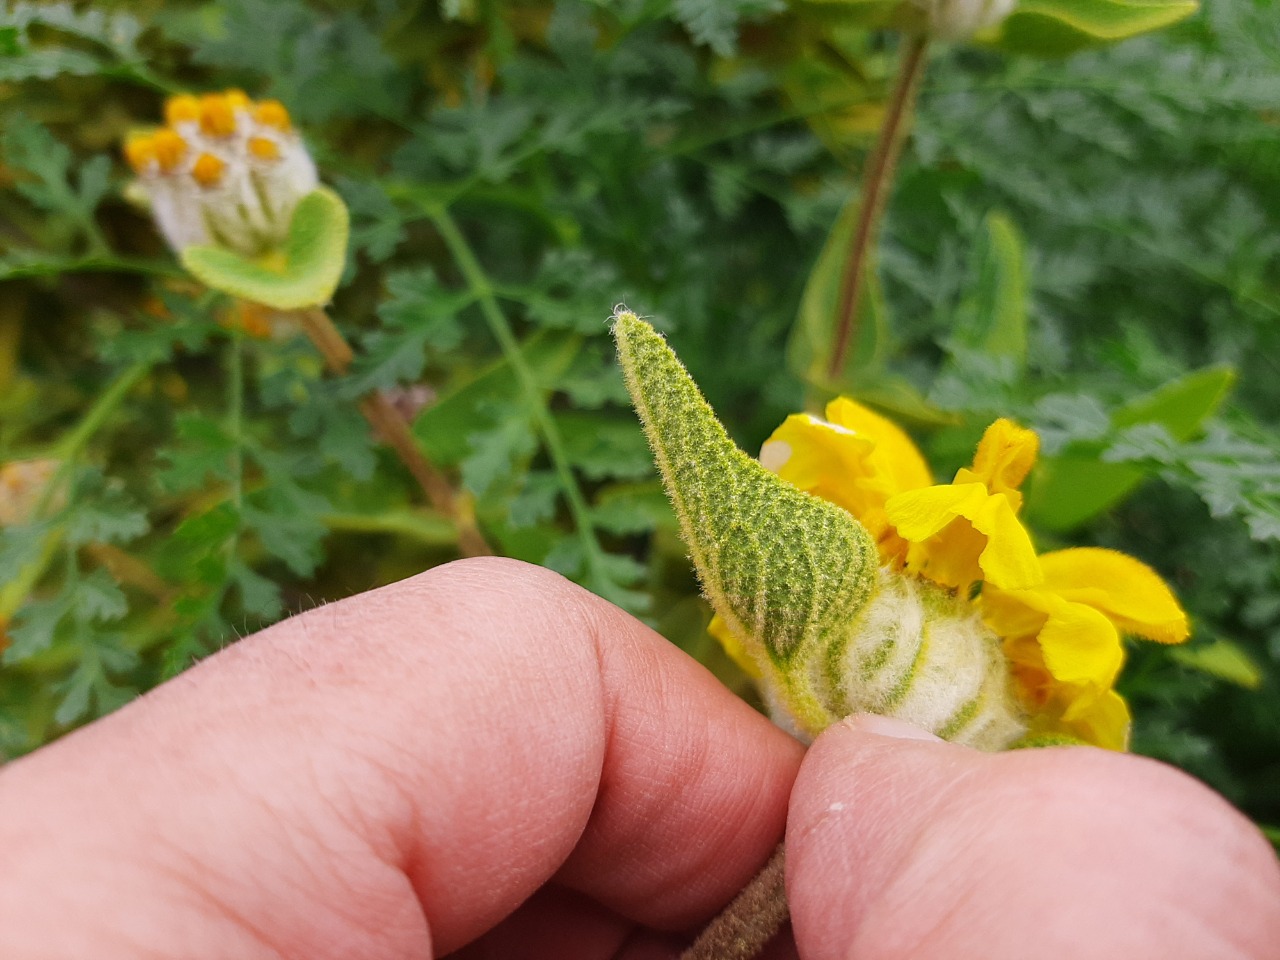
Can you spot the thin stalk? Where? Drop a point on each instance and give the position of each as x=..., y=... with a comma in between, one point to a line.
x=70, y=447
x=14, y=593
x=754, y=917
x=11, y=312
x=388, y=422
x=429, y=528
x=68, y=450
x=483, y=291
x=876, y=182
x=235, y=427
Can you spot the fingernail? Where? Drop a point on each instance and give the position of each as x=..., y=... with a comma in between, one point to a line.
x=888, y=727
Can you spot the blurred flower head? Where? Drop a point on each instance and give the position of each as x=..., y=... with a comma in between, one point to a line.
x=223, y=170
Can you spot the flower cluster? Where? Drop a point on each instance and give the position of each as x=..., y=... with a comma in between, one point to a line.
x=1059, y=616
x=223, y=170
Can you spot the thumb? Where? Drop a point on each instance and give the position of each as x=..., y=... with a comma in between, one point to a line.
x=900, y=845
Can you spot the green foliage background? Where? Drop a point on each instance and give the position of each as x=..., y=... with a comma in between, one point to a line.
x=1089, y=244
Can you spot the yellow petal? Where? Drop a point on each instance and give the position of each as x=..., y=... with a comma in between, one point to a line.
x=953, y=513
x=895, y=456
x=920, y=514
x=1005, y=456
x=1014, y=614
x=1010, y=559
x=733, y=646
x=1080, y=645
x=1127, y=591
x=1101, y=719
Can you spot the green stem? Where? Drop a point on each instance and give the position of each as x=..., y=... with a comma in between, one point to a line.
x=391, y=425
x=15, y=592
x=105, y=263
x=74, y=442
x=431, y=528
x=235, y=427
x=483, y=291
x=881, y=166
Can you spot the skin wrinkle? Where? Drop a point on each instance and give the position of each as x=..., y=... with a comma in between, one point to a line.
x=321, y=856
x=644, y=808
x=562, y=656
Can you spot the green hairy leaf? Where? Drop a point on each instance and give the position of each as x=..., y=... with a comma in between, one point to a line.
x=1049, y=28
x=784, y=569
x=314, y=254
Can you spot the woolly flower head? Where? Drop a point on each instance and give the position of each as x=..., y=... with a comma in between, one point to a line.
x=223, y=170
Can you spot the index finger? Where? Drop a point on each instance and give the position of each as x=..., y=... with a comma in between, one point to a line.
x=399, y=769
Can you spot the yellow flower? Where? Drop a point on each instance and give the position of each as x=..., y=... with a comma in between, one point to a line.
x=1065, y=634
x=1059, y=618
x=968, y=530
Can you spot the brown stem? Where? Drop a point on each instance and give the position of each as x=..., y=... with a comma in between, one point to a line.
x=745, y=926
x=876, y=181
x=392, y=427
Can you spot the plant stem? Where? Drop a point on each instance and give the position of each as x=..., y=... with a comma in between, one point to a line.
x=746, y=925
x=11, y=311
x=74, y=442
x=235, y=427
x=876, y=181
x=388, y=422
x=429, y=528
x=483, y=291
x=14, y=593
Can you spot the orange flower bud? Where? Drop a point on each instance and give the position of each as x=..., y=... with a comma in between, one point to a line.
x=169, y=149
x=262, y=148
x=217, y=115
x=271, y=113
x=183, y=108
x=208, y=170
x=140, y=151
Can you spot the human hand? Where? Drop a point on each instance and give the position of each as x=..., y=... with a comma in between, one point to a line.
x=488, y=748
